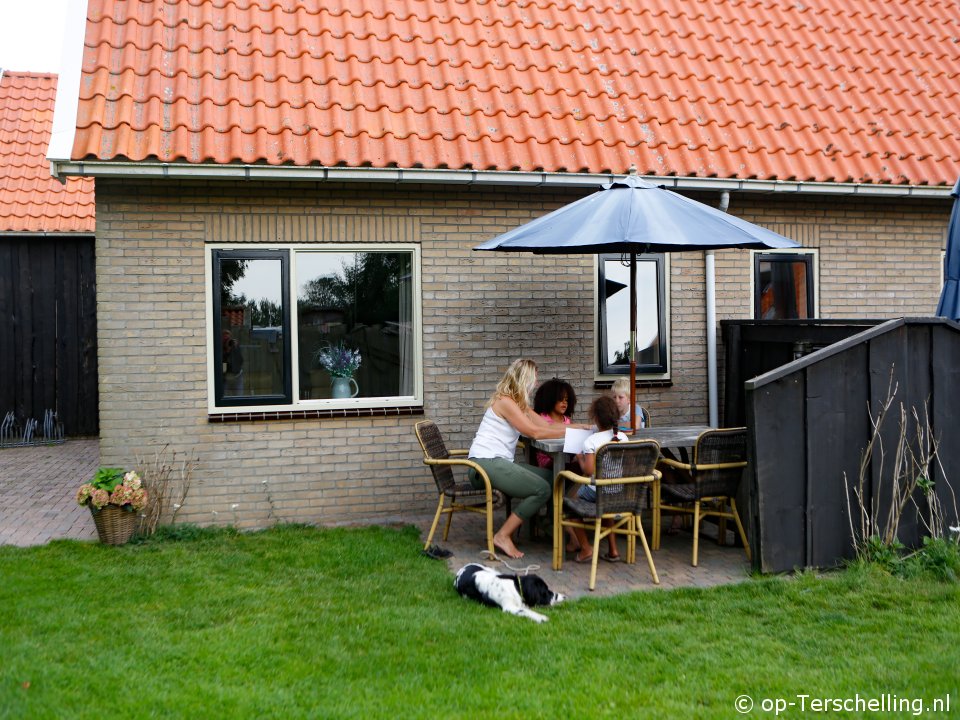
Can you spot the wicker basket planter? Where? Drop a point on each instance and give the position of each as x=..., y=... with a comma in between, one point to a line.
x=115, y=526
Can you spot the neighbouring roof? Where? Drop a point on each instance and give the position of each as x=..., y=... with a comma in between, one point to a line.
x=860, y=91
x=30, y=199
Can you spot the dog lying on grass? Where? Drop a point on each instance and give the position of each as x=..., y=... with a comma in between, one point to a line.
x=514, y=594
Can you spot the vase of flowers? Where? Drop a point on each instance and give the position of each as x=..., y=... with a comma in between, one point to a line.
x=341, y=362
x=114, y=498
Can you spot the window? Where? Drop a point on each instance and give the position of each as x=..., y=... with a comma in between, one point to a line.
x=783, y=286
x=281, y=315
x=614, y=315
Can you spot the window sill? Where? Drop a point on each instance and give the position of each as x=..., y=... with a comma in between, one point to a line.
x=266, y=416
x=640, y=383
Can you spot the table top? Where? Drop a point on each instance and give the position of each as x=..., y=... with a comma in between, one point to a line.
x=671, y=436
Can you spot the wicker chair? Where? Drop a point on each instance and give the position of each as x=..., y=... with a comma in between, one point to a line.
x=712, y=481
x=624, y=472
x=462, y=495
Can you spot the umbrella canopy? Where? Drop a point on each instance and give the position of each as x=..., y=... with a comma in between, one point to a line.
x=949, y=305
x=633, y=216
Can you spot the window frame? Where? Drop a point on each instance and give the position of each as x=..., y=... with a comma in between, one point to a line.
x=293, y=404
x=605, y=372
x=810, y=256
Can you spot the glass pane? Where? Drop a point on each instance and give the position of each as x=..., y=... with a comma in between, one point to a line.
x=617, y=297
x=783, y=289
x=251, y=327
x=355, y=308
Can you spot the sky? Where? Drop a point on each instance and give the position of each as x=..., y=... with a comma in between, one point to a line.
x=31, y=34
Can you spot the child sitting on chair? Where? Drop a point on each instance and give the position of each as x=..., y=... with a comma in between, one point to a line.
x=555, y=402
x=604, y=414
x=621, y=393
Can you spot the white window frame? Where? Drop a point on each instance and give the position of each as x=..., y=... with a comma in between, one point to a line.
x=358, y=403
x=815, y=263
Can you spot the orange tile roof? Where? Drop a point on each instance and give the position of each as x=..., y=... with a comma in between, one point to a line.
x=30, y=199
x=863, y=91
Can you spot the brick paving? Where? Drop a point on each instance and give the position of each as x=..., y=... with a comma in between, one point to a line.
x=37, y=489
x=718, y=565
x=38, y=484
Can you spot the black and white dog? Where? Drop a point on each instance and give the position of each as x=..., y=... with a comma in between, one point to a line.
x=514, y=594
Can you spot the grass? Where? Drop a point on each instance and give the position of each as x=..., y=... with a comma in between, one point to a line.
x=299, y=622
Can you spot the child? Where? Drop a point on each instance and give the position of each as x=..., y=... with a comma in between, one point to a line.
x=621, y=393
x=555, y=402
x=604, y=413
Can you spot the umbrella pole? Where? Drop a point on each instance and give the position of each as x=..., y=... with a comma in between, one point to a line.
x=633, y=342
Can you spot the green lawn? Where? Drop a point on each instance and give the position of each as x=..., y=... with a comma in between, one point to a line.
x=300, y=622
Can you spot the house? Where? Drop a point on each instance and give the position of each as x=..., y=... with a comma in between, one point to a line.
x=328, y=168
x=48, y=341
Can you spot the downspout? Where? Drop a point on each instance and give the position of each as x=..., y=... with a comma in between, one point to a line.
x=711, y=320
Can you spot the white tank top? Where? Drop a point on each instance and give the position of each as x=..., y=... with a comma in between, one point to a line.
x=496, y=438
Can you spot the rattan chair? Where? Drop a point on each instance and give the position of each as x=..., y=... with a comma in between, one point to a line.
x=624, y=473
x=461, y=494
x=712, y=480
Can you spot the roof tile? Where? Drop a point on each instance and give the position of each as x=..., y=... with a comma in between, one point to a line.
x=861, y=91
x=30, y=199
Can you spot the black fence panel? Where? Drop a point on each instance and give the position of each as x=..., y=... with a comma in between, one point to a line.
x=810, y=426
x=48, y=340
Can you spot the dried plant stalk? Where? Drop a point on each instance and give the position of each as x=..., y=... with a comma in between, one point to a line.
x=167, y=480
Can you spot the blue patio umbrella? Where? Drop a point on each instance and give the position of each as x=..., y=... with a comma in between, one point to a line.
x=632, y=216
x=949, y=305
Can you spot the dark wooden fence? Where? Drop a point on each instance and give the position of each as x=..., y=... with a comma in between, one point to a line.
x=753, y=347
x=48, y=339
x=810, y=424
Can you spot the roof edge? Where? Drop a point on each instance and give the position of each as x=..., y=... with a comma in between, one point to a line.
x=211, y=171
x=68, y=85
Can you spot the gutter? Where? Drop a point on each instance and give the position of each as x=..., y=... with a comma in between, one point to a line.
x=209, y=171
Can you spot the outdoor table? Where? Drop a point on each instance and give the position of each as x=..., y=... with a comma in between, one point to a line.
x=677, y=437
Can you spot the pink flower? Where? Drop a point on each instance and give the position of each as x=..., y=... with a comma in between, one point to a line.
x=83, y=494
x=99, y=498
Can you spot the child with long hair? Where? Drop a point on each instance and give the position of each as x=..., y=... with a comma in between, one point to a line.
x=555, y=402
x=605, y=414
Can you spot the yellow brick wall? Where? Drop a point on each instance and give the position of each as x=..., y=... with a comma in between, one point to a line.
x=480, y=311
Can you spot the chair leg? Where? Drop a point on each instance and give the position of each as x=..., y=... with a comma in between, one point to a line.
x=696, y=530
x=596, y=555
x=631, y=540
x=646, y=550
x=558, y=543
x=490, y=548
x=446, y=529
x=743, y=535
x=436, y=521
x=655, y=516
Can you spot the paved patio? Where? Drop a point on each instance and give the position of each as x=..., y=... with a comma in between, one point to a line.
x=37, y=487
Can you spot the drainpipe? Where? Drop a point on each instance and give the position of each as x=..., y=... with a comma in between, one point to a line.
x=711, y=290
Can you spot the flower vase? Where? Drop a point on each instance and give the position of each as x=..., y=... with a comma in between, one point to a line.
x=341, y=387
x=115, y=526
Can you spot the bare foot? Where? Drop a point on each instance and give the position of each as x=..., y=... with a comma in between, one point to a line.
x=505, y=545
x=581, y=558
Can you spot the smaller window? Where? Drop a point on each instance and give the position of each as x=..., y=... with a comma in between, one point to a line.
x=614, y=315
x=783, y=286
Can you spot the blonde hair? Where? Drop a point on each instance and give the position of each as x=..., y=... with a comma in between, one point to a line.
x=621, y=386
x=516, y=382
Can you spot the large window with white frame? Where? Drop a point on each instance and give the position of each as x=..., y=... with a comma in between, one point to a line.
x=784, y=285
x=613, y=304
x=314, y=327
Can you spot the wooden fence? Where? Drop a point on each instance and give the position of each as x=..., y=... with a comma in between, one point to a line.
x=810, y=425
x=48, y=334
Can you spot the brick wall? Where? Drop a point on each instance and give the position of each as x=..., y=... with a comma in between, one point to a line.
x=480, y=311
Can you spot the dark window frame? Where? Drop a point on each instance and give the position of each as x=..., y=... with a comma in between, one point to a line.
x=806, y=258
x=655, y=369
x=286, y=397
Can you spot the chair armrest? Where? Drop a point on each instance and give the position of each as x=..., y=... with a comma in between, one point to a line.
x=458, y=453
x=454, y=462
x=670, y=462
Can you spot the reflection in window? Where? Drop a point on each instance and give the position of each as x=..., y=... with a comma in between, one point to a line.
x=359, y=301
x=783, y=286
x=614, y=310
x=361, y=304
x=253, y=341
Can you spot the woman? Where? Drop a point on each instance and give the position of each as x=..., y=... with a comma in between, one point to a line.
x=507, y=416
